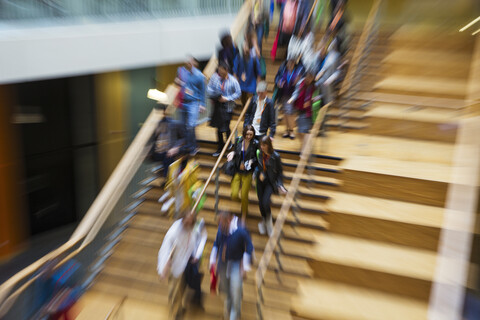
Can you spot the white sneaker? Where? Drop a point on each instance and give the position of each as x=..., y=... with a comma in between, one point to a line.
x=269, y=225
x=261, y=227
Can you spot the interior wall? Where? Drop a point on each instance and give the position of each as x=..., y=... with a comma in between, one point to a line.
x=13, y=222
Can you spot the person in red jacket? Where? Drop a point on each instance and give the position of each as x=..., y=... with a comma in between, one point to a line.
x=302, y=99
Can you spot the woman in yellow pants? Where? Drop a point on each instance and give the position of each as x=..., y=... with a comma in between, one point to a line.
x=244, y=156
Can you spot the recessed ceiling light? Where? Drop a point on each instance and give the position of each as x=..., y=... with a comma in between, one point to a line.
x=474, y=33
x=469, y=25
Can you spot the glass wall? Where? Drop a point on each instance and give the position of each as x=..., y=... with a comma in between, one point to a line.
x=84, y=11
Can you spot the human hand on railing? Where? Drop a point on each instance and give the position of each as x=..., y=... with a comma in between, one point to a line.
x=230, y=156
x=202, y=109
x=282, y=190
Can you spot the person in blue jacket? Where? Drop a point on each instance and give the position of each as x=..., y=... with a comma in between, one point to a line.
x=232, y=253
x=192, y=83
x=247, y=70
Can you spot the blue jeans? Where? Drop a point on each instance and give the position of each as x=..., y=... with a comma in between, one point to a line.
x=230, y=275
x=190, y=112
x=260, y=30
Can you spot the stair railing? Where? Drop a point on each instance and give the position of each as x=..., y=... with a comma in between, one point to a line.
x=273, y=245
x=109, y=211
x=351, y=85
x=290, y=204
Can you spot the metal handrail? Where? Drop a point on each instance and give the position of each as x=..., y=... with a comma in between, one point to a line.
x=352, y=70
x=236, y=29
x=110, y=193
x=225, y=147
x=273, y=241
x=359, y=61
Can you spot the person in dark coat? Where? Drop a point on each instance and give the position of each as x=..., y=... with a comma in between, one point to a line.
x=261, y=113
x=269, y=177
x=228, y=52
x=168, y=140
x=223, y=89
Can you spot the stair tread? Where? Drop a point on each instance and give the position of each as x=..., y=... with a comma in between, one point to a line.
x=424, y=85
x=314, y=178
x=286, y=154
x=437, y=102
x=293, y=239
x=429, y=57
x=320, y=299
x=276, y=199
x=414, y=113
x=403, y=168
x=374, y=255
x=351, y=144
x=385, y=209
x=346, y=123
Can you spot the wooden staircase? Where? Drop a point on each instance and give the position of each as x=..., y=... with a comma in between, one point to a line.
x=364, y=244
x=131, y=269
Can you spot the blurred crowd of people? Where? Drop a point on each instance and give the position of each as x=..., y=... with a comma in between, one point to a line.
x=305, y=81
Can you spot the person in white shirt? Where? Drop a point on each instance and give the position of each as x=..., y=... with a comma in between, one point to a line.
x=182, y=243
x=261, y=113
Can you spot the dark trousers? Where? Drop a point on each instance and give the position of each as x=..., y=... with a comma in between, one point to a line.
x=220, y=140
x=264, y=193
x=166, y=161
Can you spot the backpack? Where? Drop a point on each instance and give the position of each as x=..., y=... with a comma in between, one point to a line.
x=289, y=16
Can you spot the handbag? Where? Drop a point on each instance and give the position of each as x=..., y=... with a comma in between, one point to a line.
x=229, y=168
x=178, y=99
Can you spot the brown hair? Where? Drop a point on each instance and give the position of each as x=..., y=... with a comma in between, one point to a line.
x=267, y=141
x=247, y=128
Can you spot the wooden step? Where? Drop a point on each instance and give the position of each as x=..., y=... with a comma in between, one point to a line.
x=413, y=122
x=327, y=300
x=315, y=178
x=205, y=133
x=147, y=271
x=329, y=162
x=391, y=221
x=345, y=124
x=95, y=304
x=423, y=86
x=381, y=266
x=136, y=255
x=414, y=181
x=411, y=100
x=293, y=239
x=406, y=68
x=307, y=201
x=306, y=221
x=346, y=114
x=350, y=144
x=422, y=37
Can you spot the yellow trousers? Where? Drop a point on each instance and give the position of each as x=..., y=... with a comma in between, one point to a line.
x=245, y=179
